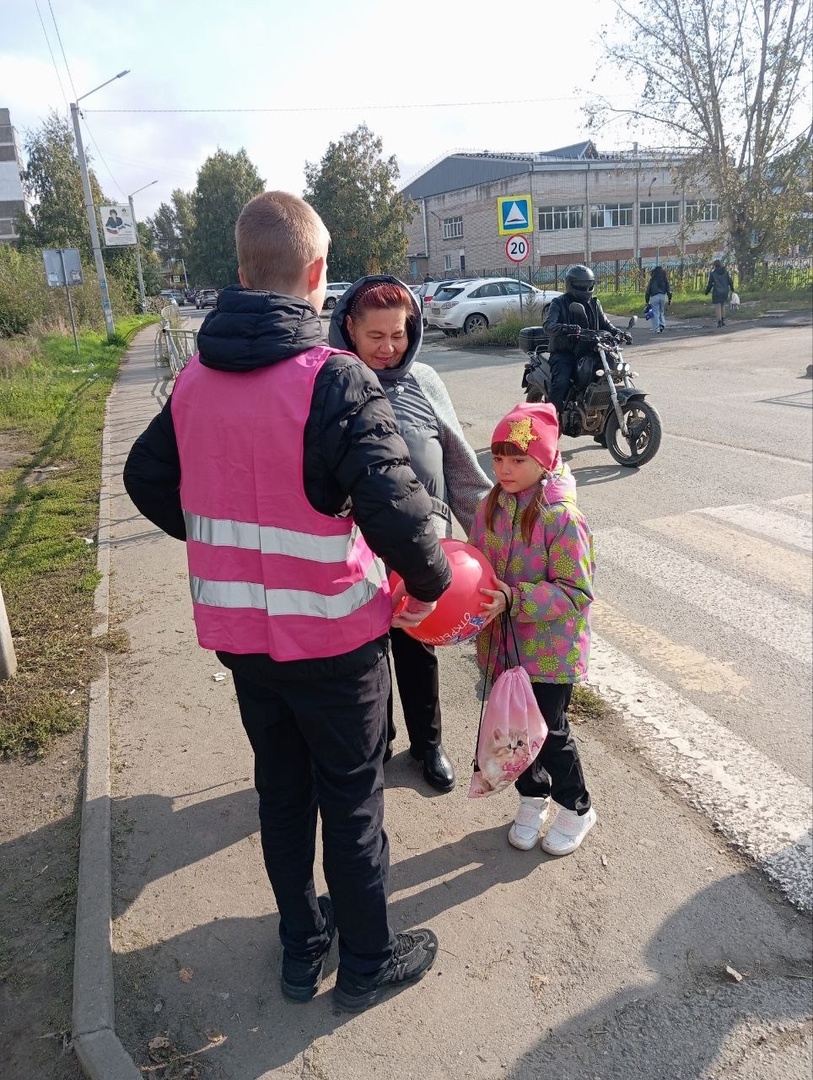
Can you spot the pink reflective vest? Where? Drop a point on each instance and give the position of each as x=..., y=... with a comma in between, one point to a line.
x=268, y=573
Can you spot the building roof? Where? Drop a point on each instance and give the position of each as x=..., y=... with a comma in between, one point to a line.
x=466, y=168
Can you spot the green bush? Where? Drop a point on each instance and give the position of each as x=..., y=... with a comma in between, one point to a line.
x=28, y=303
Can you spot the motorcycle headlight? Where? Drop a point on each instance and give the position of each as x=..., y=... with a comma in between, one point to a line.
x=600, y=373
x=619, y=368
x=627, y=369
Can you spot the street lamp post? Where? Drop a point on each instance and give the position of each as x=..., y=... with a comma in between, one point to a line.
x=91, y=210
x=141, y=291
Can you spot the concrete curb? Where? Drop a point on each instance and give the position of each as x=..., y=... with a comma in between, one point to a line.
x=99, y=1052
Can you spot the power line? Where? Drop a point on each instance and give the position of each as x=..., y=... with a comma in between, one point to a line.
x=101, y=156
x=352, y=108
x=51, y=51
x=62, y=47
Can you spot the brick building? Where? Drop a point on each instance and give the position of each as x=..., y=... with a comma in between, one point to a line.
x=12, y=200
x=587, y=206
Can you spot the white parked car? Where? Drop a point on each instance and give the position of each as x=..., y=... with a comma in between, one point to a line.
x=475, y=305
x=335, y=291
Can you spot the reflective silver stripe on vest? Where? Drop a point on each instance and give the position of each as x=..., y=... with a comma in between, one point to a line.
x=247, y=594
x=220, y=532
x=281, y=602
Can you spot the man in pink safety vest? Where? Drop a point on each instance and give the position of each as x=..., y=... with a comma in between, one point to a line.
x=278, y=461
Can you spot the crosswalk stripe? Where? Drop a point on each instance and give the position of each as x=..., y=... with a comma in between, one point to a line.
x=693, y=669
x=780, y=625
x=755, y=803
x=765, y=521
x=751, y=555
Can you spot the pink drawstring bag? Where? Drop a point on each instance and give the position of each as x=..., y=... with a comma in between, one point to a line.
x=511, y=730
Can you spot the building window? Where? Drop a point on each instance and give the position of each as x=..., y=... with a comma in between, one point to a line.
x=610, y=215
x=452, y=228
x=702, y=211
x=552, y=218
x=660, y=213
x=447, y=262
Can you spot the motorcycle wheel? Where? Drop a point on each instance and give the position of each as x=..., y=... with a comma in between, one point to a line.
x=644, y=426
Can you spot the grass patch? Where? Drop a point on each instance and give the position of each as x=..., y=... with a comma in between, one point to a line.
x=586, y=705
x=54, y=406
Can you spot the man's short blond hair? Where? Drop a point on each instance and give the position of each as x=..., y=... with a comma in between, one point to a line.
x=277, y=235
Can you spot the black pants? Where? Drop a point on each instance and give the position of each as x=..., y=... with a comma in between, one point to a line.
x=556, y=770
x=319, y=745
x=563, y=371
x=416, y=673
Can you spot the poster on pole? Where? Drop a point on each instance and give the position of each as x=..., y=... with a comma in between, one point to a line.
x=117, y=226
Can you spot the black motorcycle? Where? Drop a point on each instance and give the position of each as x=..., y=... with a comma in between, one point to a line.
x=603, y=401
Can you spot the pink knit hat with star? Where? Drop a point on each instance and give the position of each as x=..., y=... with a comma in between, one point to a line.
x=533, y=429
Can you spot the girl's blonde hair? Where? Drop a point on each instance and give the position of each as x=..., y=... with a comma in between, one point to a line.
x=531, y=513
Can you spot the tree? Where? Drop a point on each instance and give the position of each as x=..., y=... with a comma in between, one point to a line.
x=172, y=226
x=226, y=182
x=353, y=190
x=53, y=183
x=727, y=79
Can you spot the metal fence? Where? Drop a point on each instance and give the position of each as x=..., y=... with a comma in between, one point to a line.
x=685, y=275
x=173, y=345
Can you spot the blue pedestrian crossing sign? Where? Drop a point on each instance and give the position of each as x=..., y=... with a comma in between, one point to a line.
x=514, y=214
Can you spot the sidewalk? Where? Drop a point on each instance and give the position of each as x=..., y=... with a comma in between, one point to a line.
x=609, y=963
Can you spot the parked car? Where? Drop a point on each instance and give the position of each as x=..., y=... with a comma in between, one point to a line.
x=335, y=291
x=174, y=294
x=475, y=305
x=206, y=298
x=427, y=291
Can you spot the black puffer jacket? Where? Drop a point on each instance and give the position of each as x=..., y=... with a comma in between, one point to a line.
x=353, y=454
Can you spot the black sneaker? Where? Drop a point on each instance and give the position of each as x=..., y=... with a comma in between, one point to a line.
x=415, y=953
x=302, y=978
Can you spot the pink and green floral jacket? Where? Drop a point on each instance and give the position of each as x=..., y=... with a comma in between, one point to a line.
x=551, y=582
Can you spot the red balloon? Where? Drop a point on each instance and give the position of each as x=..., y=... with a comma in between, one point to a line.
x=458, y=615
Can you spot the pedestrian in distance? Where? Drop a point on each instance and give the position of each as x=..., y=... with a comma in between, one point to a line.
x=278, y=461
x=721, y=287
x=658, y=294
x=539, y=543
x=380, y=320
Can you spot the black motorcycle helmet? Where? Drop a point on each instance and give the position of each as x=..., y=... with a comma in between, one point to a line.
x=580, y=282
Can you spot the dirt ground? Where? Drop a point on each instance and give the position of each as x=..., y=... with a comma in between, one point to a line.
x=40, y=807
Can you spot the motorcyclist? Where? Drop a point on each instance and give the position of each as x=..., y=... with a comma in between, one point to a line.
x=563, y=331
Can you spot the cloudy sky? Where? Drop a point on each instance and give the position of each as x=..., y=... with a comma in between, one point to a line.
x=284, y=78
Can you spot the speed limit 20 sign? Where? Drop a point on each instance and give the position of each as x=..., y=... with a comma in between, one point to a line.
x=517, y=248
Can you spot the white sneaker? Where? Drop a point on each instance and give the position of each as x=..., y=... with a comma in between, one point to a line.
x=567, y=831
x=528, y=821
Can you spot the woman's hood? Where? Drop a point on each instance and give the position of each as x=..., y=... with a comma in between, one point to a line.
x=337, y=333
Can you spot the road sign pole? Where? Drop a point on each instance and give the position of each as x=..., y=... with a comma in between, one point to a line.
x=70, y=302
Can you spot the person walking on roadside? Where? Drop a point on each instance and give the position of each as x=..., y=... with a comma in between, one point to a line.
x=658, y=293
x=540, y=545
x=721, y=287
x=379, y=318
x=278, y=461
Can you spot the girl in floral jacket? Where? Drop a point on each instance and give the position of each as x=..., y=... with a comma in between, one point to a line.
x=536, y=538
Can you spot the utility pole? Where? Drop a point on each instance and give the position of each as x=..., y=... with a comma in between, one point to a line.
x=141, y=291
x=91, y=209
